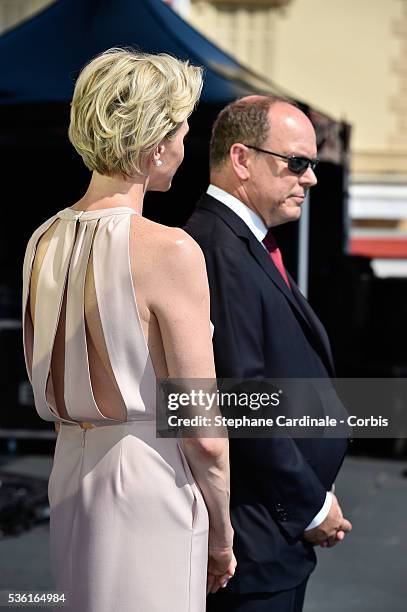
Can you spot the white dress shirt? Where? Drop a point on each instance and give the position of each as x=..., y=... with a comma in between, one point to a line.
x=257, y=227
x=252, y=219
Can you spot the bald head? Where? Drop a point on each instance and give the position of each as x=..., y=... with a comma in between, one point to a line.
x=249, y=120
x=254, y=142
x=254, y=99
x=288, y=122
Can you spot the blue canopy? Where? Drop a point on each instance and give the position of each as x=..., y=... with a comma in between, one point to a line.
x=41, y=58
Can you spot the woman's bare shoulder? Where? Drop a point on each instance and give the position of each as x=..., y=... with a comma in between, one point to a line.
x=169, y=245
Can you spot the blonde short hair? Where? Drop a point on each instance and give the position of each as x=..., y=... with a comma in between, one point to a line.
x=125, y=103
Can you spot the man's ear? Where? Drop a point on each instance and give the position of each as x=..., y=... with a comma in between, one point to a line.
x=239, y=159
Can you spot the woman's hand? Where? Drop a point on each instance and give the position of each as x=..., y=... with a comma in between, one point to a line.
x=221, y=568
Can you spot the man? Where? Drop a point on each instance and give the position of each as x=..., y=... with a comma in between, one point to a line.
x=262, y=159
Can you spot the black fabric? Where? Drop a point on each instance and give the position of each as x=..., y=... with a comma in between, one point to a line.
x=291, y=600
x=264, y=330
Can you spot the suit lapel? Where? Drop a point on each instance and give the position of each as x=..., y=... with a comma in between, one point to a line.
x=239, y=227
x=295, y=298
x=264, y=260
x=315, y=324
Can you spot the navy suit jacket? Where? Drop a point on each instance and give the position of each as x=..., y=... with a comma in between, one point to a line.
x=265, y=330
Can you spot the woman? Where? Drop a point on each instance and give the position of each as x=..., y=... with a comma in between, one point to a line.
x=112, y=301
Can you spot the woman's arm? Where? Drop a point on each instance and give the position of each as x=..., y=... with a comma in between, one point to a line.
x=180, y=301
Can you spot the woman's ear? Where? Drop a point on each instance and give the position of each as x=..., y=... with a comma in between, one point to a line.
x=157, y=153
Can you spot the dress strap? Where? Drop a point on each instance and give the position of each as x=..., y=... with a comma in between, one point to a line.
x=51, y=282
x=128, y=353
x=79, y=399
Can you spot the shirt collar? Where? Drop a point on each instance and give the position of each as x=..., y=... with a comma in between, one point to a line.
x=247, y=215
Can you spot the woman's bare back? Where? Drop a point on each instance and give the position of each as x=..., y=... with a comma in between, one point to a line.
x=144, y=253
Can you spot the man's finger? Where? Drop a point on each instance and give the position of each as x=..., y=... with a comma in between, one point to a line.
x=332, y=541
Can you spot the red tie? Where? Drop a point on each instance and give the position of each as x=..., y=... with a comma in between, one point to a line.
x=271, y=245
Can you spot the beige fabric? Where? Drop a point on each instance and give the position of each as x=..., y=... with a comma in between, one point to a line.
x=128, y=524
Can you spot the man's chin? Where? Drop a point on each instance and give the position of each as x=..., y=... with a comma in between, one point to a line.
x=289, y=215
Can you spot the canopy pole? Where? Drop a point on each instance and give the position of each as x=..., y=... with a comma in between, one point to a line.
x=303, y=247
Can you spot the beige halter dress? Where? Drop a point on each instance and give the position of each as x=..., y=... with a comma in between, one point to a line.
x=129, y=526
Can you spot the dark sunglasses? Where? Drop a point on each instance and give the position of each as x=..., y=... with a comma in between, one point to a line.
x=295, y=163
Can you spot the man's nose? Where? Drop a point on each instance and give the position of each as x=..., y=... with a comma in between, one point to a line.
x=308, y=178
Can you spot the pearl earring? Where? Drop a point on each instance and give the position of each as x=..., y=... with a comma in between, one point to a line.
x=158, y=162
